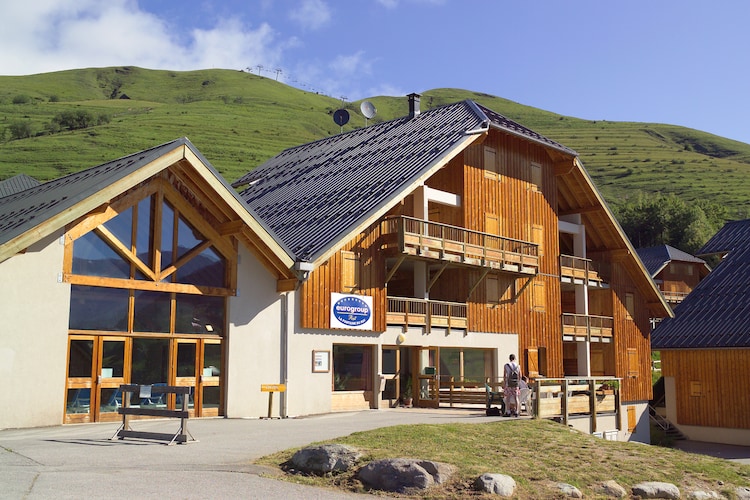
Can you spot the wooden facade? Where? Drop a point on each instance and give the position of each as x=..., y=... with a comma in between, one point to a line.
x=510, y=190
x=713, y=386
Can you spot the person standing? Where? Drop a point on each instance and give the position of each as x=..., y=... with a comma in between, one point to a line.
x=511, y=382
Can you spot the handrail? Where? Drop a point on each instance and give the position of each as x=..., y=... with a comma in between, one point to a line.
x=462, y=242
x=421, y=311
x=587, y=320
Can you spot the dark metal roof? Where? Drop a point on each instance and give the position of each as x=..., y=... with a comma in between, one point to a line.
x=314, y=194
x=656, y=257
x=24, y=210
x=716, y=314
x=727, y=238
x=16, y=184
x=501, y=122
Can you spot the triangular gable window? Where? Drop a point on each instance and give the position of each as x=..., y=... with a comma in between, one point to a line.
x=123, y=247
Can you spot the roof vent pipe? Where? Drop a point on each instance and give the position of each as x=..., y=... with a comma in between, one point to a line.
x=413, y=104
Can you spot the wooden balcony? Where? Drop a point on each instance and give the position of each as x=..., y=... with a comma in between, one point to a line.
x=673, y=297
x=432, y=240
x=588, y=326
x=579, y=271
x=408, y=312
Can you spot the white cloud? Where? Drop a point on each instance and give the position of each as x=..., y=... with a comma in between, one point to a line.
x=388, y=4
x=312, y=14
x=52, y=35
x=354, y=64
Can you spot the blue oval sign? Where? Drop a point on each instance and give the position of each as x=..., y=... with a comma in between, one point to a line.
x=351, y=311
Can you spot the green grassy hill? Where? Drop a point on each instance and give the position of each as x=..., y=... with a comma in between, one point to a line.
x=238, y=120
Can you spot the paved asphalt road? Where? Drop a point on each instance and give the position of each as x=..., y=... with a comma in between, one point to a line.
x=80, y=461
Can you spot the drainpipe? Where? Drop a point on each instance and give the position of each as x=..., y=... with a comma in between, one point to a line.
x=284, y=352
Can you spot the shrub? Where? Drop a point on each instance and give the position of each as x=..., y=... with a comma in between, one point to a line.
x=21, y=99
x=20, y=130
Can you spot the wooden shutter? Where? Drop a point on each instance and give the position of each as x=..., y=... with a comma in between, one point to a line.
x=536, y=177
x=532, y=362
x=493, y=289
x=633, y=362
x=630, y=305
x=349, y=272
x=632, y=421
x=490, y=162
x=539, y=297
x=537, y=236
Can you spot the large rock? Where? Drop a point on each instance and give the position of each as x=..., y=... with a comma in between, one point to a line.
x=569, y=490
x=325, y=459
x=402, y=474
x=611, y=489
x=656, y=489
x=742, y=493
x=499, y=484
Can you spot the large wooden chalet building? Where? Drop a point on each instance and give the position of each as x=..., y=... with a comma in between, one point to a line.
x=414, y=253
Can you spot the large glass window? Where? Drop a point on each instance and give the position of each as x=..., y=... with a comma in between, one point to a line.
x=152, y=312
x=92, y=256
x=98, y=308
x=465, y=365
x=352, y=368
x=199, y=314
x=158, y=275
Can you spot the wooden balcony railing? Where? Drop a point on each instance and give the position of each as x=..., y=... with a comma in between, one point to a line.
x=674, y=297
x=430, y=313
x=456, y=244
x=564, y=397
x=583, y=325
x=579, y=270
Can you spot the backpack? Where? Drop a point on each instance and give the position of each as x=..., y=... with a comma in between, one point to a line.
x=514, y=375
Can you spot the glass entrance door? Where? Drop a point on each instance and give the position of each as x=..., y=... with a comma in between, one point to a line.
x=390, y=367
x=427, y=379
x=186, y=353
x=80, y=377
x=208, y=391
x=110, y=369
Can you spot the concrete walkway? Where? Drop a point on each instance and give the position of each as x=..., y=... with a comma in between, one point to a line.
x=80, y=461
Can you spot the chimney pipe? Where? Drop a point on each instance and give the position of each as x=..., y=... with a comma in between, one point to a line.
x=413, y=105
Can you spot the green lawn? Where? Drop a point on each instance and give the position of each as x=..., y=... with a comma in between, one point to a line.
x=536, y=453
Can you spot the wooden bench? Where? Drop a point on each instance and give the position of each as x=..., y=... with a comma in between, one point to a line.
x=146, y=392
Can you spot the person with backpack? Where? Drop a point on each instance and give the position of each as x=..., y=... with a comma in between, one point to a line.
x=511, y=382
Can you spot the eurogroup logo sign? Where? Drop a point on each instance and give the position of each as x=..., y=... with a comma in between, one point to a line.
x=353, y=312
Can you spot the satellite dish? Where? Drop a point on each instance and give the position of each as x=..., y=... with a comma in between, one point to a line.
x=368, y=109
x=341, y=117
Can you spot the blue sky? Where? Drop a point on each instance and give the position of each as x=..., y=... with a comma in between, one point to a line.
x=683, y=62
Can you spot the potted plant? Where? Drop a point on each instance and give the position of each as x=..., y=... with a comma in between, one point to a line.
x=406, y=392
x=610, y=386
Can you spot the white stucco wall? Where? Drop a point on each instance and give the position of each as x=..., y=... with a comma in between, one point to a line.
x=254, y=340
x=310, y=393
x=34, y=309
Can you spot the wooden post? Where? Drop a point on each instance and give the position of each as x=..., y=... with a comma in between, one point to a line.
x=270, y=389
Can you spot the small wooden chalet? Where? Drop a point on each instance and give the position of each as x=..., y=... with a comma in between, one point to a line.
x=675, y=272
x=130, y=272
x=705, y=348
x=432, y=246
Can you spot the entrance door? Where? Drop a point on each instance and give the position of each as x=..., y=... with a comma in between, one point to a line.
x=390, y=368
x=427, y=361
x=186, y=353
x=208, y=391
x=80, y=379
x=110, y=370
